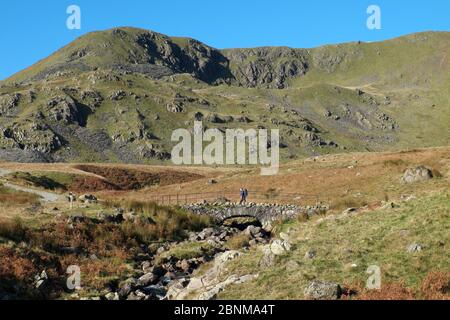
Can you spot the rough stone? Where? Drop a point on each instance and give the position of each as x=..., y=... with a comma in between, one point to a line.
x=417, y=174
x=279, y=247
x=414, y=247
x=322, y=290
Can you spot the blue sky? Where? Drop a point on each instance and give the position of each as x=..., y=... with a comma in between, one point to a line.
x=31, y=30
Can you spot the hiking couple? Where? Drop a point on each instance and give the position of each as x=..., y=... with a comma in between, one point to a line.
x=244, y=195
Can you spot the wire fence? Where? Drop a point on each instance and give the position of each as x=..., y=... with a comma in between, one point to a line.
x=253, y=196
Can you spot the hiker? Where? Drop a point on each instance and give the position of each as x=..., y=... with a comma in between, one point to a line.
x=242, y=194
x=245, y=195
x=72, y=198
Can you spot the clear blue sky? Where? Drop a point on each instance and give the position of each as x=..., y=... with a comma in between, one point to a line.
x=31, y=30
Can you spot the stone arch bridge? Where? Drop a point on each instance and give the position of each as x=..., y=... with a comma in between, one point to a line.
x=264, y=213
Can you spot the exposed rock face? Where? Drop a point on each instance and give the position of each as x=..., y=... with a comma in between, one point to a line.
x=193, y=57
x=24, y=156
x=214, y=118
x=322, y=290
x=92, y=98
x=9, y=102
x=175, y=106
x=117, y=95
x=66, y=110
x=151, y=151
x=209, y=285
x=417, y=174
x=30, y=136
x=269, y=67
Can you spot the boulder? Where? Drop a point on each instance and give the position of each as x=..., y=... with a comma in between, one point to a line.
x=147, y=279
x=112, y=296
x=175, y=106
x=310, y=254
x=126, y=288
x=136, y=296
x=252, y=231
x=415, y=247
x=268, y=260
x=88, y=198
x=322, y=290
x=227, y=256
x=184, y=265
x=146, y=266
x=279, y=247
x=214, y=118
x=175, y=289
x=155, y=292
x=211, y=294
x=41, y=280
x=206, y=233
x=417, y=174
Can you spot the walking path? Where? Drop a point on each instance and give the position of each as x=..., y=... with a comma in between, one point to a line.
x=46, y=196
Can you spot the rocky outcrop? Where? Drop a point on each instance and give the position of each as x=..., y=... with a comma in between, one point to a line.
x=268, y=67
x=162, y=276
x=193, y=57
x=91, y=98
x=29, y=136
x=209, y=285
x=152, y=151
x=417, y=174
x=67, y=110
x=117, y=95
x=175, y=106
x=9, y=102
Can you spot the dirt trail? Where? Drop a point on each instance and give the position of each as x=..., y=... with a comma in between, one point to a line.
x=46, y=196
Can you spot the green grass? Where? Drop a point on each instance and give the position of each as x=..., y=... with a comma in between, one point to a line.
x=50, y=181
x=187, y=251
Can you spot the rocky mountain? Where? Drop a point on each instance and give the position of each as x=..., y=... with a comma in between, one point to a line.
x=117, y=95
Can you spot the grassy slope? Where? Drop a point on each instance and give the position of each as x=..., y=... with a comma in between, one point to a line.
x=371, y=238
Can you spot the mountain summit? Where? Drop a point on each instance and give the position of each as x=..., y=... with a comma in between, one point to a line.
x=116, y=95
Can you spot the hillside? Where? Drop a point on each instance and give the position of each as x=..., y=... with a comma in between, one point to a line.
x=323, y=249
x=117, y=95
x=129, y=248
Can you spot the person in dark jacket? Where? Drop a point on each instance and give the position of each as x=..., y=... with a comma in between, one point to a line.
x=245, y=195
x=242, y=194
